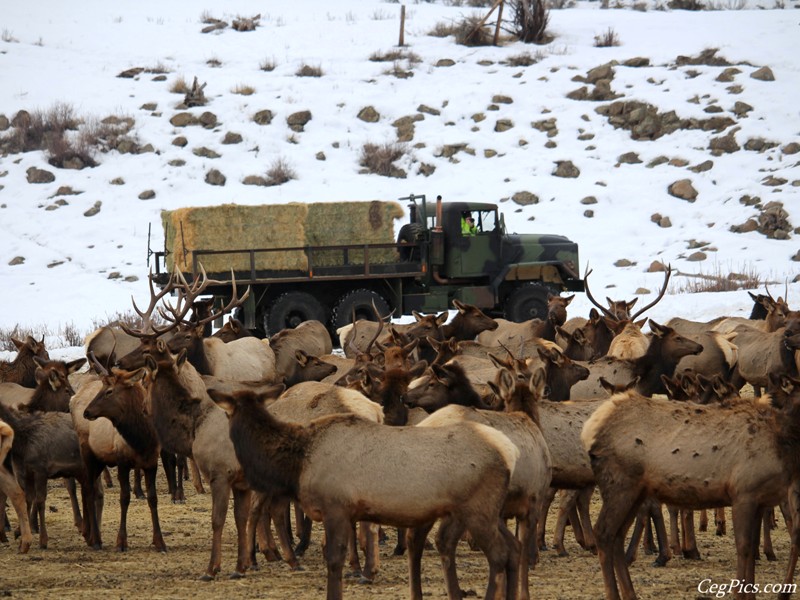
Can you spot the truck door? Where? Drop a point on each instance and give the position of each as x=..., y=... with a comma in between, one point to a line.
x=473, y=253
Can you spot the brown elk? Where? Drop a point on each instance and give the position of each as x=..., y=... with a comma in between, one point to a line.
x=9, y=488
x=761, y=354
x=666, y=348
x=532, y=474
x=509, y=333
x=22, y=370
x=112, y=419
x=52, y=392
x=620, y=310
x=333, y=467
x=745, y=457
x=588, y=341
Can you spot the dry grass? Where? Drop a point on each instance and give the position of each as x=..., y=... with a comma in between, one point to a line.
x=607, y=39
x=280, y=172
x=66, y=335
x=380, y=158
x=442, y=29
x=523, y=59
x=718, y=280
x=268, y=65
x=309, y=71
x=470, y=32
x=179, y=85
x=8, y=37
x=395, y=55
x=243, y=90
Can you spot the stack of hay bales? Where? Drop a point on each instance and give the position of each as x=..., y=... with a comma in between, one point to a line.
x=236, y=227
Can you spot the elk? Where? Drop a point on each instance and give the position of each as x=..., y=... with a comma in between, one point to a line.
x=9, y=488
x=507, y=332
x=532, y=474
x=45, y=447
x=761, y=354
x=620, y=310
x=112, y=419
x=330, y=466
x=666, y=348
x=693, y=456
x=52, y=391
x=589, y=341
x=22, y=370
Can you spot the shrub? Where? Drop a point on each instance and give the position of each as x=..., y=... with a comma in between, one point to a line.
x=38, y=129
x=244, y=90
x=309, y=71
x=719, y=281
x=20, y=333
x=524, y=59
x=442, y=29
x=179, y=86
x=268, y=64
x=280, y=172
x=607, y=39
x=530, y=19
x=686, y=5
x=470, y=32
x=380, y=159
x=395, y=55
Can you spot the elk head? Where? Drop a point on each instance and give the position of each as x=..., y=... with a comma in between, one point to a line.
x=620, y=310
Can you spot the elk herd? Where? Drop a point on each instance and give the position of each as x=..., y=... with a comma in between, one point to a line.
x=463, y=426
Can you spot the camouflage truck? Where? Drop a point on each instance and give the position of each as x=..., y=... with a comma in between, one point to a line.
x=428, y=264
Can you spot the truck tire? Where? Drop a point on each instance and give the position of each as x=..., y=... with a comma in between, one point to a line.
x=409, y=233
x=292, y=308
x=360, y=301
x=528, y=301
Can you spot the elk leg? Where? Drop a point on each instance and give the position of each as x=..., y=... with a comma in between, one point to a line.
x=124, y=477
x=703, y=524
x=415, y=542
x=674, y=532
x=10, y=488
x=279, y=509
x=4, y=522
x=583, y=504
x=304, y=530
x=168, y=464
x=241, y=511
x=337, y=531
x=621, y=501
x=400, y=548
x=447, y=538
x=791, y=507
x=526, y=527
x=690, y=550
x=197, y=478
x=546, y=502
x=220, y=496
x=352, y=552
x=719, y=520
x=72, y=491
x=138, y=492
x=39, y=502
x=636, y=538
x=566, y=506
x=255, y=527
x=150, y=474
x=767, y=525
x=371, y=551
x=746, y=524
x=657, y=517
x=107, y=478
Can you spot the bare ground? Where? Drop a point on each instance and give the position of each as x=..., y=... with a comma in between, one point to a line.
x=68, y=569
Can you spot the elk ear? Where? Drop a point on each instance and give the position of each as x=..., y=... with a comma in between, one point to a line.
x=669, y=385
x=658, y=330
x=151, y=364
x=223, y=400
x=538, y=383
x=52, y=379
x=442, y=318
x=607, y=385
x=631, y=303
x=138, y=376
x=161, y=345
x=461, y=307
x=641, y=323
x=568, y=299
x=181, y=358
x=418, y=316
x=301, y=357
x=19, y=344
x=594, y=315
x=506, y=382
x=75, y=365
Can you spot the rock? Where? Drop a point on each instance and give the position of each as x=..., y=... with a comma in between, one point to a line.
x=297, y=121
x=478, y=117
x=791, y=148
x=232, y=138
x=35, y=175
x=428, y=110
x=255, y=180
x=5, y=123
x=795, y=258
x=639, y=61
x=182, y=119
x=66, y=190
x=115, y=275
x=641, y=291
x=664, y=222
x=320, y=156
x=117, y=181
x=75, y=163
x=489, y=153
x=603, y=72
x=147, y=195
x=704, y=166
x=773, y=181
x=746, y=227
x=547, y=126
x=683, y=189
x=263, y=117
x=215, y=177
x=368, y=114
x=565, y=168
x=748, y=200
x=445, y=62
x=149, y=106
x=725, y=144
x=498, y=99
x=588, y=200
x=728, y=75
x=426, y=169
x=773, y=221
x=624, y=262
x=503, y=125
x=656, y=267
x=629, y=158
x=589, y=213
x=208, y=120
x=525, y=198
x=176, y=162
x=94, y=210
x=17, y=260
x=697, y=256
x=740, y=109
x=204, y=152
x=763, y=74
x=180, y=142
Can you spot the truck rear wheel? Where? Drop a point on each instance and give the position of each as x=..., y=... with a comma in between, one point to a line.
x=529, y=301
x=359, y=301
x=410, y=233
x=292, y=308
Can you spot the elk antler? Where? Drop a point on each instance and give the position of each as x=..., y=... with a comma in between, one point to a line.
x=604, y=310
x=667, y=275
x=148, y=328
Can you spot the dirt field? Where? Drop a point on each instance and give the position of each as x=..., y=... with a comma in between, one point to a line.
x=68, y=569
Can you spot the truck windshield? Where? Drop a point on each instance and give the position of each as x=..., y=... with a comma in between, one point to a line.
x=486, y=220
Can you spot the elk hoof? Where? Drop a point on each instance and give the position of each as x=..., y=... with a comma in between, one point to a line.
x=352, y=574
x=770, y=556
x=562, y=553
x=693, y=554
x=364, y=581
x=298, y=568
x=236, y=575
x=660, y=561
x=206, y=577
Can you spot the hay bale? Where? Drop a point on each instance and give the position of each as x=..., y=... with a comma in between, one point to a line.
x=342, y=223
x=236, y=227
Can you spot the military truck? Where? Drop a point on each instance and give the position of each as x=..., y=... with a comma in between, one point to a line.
x=424, y=268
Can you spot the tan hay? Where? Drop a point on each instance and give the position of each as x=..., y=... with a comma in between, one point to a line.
x=236, y=227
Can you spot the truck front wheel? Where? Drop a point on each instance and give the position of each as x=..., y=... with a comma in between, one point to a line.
x=360, y=302
x=529, y=301
x=292, y=308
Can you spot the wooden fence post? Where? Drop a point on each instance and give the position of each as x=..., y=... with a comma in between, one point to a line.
x=402, y=25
